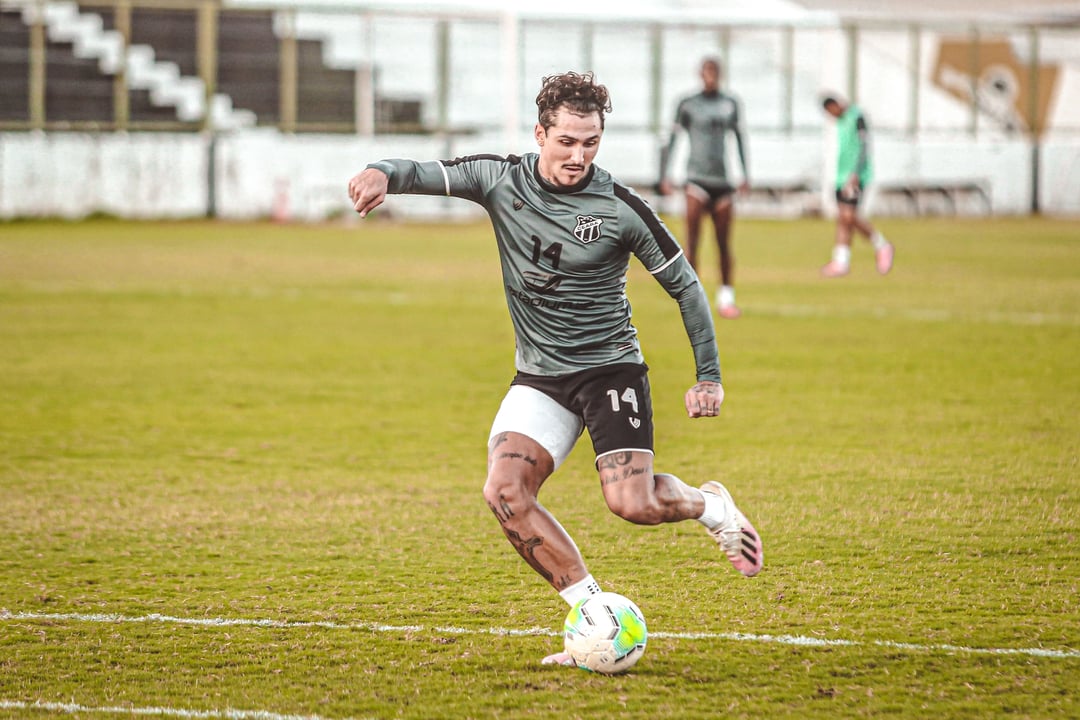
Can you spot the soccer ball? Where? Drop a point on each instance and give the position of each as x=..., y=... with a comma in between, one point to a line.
x=605, y=633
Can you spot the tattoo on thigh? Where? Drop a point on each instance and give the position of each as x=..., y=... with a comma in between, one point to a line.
x=527, y=550
x=609, y=478
x=614, y=460
x=503, y=511
x=516, y=455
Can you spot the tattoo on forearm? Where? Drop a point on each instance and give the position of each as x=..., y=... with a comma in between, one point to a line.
x=527, y=550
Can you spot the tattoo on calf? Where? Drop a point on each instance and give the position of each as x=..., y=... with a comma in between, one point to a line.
x=527, y=550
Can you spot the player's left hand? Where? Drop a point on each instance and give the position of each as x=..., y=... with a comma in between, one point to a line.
x=704, y=399
x=744, y=188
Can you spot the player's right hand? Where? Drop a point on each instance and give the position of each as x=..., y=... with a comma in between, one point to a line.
x=367, y=190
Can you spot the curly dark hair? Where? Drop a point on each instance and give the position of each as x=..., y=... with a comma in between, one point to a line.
x=580, y=94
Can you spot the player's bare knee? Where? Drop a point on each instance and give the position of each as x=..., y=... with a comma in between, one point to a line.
x=638, y=510
x=508, y=494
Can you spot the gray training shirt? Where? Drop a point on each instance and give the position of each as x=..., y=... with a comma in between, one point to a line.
x=565, y=253
x=707, y=118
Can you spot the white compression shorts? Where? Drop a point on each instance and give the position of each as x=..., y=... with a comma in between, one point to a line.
x=530, y=412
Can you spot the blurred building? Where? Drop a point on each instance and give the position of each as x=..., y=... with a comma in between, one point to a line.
x=256, y=108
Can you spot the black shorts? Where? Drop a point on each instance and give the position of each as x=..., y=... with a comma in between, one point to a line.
x=846, y=196
x=614, y=402
x=709, y=193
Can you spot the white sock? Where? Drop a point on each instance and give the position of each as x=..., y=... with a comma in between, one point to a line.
x=580, y=590
x=716, y=511
x=725, y=297
x=841, y=255
x=878, y=240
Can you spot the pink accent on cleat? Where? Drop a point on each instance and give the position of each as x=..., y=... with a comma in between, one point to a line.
x=559, y=658
x=730, y=312
x=884, y=258
x=833, y=269
x=737, y=537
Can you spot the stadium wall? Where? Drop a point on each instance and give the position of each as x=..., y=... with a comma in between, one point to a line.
x=266, y=173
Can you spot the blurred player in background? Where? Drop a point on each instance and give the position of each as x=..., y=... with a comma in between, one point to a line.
x=853, y=174
x=707, y=117
x=565, y=230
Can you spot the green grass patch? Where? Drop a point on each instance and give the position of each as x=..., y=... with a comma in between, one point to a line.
x=254, y=422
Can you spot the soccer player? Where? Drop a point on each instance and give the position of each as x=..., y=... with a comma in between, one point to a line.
x=707, y=118
x=853, y=173
x=565, y=231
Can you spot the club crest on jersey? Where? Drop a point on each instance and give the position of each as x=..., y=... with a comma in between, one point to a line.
x=588, y=228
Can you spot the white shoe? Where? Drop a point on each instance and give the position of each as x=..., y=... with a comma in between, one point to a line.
x=728, y=312
x=883, y=258
x=833, y=269
x=736, y=537
x=559, y=658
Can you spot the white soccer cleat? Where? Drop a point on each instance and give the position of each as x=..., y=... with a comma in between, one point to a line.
x=883, y=258
x=736, y=537
x=559, y=658
x=728, y=312
x=833, y=269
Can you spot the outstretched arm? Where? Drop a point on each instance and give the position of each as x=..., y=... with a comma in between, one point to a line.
x=367, y=190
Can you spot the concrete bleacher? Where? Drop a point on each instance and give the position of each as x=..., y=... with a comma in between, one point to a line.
x=14, y=66
x=75, y=88
x=79, y=88
x=324, y=95
x=249, y=60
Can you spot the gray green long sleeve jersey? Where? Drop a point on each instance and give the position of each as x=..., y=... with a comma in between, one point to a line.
x=707, y=118
x=565, y=253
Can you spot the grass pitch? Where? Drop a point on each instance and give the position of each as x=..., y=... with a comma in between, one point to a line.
x=240, y=470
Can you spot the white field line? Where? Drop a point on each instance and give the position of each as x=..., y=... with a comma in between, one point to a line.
x=76, y=709
x=928, y=315
x=800, y=640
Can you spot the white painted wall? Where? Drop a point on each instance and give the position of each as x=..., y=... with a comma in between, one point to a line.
x=262, y=173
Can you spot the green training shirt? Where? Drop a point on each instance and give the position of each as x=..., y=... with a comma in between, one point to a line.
x=565, y=253
x=707, y=118
x=853, y=152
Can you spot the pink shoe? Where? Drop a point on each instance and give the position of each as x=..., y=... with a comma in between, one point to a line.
x=737, y=537
x=729, y=312
x=834, y=269
x=559, y=658
x=884, y=257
